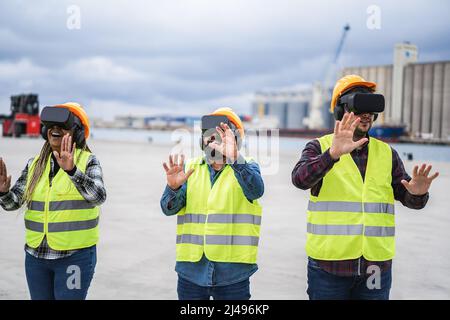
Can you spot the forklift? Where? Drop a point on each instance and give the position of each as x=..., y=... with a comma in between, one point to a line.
x=24, y=119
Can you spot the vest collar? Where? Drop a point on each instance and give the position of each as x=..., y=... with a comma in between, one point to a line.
x=203, y=161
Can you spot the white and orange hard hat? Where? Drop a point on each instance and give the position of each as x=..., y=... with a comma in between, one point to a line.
x=77, y=110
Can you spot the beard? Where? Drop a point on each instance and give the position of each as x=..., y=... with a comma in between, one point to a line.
x=358, y=134
x=362, y=130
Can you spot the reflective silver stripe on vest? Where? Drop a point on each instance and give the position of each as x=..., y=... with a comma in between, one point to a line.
x=232, y=240
x=337, y=230
x=234, y=218
x=70, y=205
x=61, y=205
x=379, y=231
x=379, y=208
x=191, y=218
x=190, y=238
x=72, y=226
x=347, y=206
x=219, y=218
x=34, y=226
x=337, y=206
x=37, y=205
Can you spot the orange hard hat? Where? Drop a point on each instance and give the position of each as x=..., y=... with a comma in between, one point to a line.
x=78, y=110
x=232, y=116
x=348, y=82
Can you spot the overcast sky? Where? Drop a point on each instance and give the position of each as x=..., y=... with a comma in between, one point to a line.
x=191, y=56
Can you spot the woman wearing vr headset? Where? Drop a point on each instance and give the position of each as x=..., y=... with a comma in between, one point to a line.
x=218, y=215
x=354, y=180
x=62, y=189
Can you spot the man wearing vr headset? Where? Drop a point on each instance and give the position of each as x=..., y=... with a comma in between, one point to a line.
x=218, y=215
x=62, y=188
x=354, y=180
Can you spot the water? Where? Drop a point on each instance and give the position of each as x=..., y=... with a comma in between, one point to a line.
x=126, y=135
x=419, y=152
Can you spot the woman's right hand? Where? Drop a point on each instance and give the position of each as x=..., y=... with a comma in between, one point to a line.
x=176, y=176
x=5, y=180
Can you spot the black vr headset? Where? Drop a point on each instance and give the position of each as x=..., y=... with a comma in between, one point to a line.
x=62, y=118
x=359, y=100
x=209, y=124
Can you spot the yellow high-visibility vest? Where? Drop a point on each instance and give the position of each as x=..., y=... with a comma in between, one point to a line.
x=59, y=212
x=218, y=221
x=350, y=217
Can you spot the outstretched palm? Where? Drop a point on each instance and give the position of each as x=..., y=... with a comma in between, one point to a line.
x=228, y=146
x=176, y=176
x=5, y=180
x=343, y=136
x=420, y=182
x=66, y=155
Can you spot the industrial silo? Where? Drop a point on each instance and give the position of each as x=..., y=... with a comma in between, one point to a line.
x=297, y=111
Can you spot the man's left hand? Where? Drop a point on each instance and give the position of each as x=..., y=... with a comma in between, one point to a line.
x=420, y=182
x=228, y=145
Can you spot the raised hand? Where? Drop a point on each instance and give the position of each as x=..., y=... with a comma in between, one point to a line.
x=420, y=182
x=66, y=154
x=5, y=180
x=343, y=136
x=176, y=176
x=228, y=145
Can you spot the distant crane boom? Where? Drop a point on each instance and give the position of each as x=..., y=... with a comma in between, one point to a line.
x=331, y=72
x=341, y=43
x=320, y=92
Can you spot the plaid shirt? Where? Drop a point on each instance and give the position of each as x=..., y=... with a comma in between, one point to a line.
x=314, y=165
x=89, y=184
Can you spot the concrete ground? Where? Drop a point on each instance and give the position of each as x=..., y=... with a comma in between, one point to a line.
x=136, y=253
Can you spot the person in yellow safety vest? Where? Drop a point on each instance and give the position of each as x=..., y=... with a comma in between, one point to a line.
x=354, y=180
x=218, y=214
x=62, y=188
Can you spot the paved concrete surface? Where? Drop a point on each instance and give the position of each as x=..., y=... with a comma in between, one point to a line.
x=136, y=254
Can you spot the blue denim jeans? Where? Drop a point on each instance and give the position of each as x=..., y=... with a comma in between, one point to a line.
x=61, y=279
x=190, y=291
x=326, y=286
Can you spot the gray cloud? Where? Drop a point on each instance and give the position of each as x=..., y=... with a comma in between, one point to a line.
x=188, y=55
